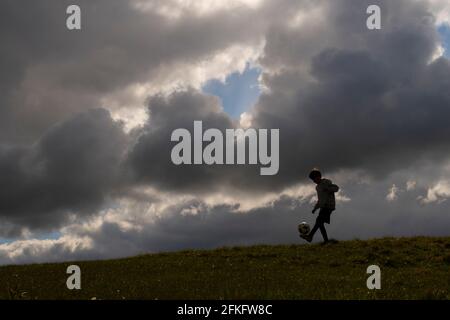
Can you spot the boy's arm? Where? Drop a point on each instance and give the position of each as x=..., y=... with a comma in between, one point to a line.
x=316, y=207
x=331, y=187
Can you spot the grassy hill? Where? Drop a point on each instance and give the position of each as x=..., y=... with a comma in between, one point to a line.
x=412, y=268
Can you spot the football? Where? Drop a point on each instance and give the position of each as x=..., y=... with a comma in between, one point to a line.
x=304, y=228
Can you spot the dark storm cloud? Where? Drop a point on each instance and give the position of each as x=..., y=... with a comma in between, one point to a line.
x=374, y=101
x=71, y=169
x=370, y=100
x=150, y=160
x=49, y=72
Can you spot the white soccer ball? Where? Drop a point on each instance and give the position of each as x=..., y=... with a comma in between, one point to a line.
x=304, y=228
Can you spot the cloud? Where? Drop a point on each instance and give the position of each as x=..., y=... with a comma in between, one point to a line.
x=392, y=195
x=62, y=249
x=73, y=168
x=161, y=225
x=162, y=222
x=437, y=193
x=150, y=161
x=119, y=46
x=440, y=9
x=365, y=99
x=410, y=185
x=375, y=104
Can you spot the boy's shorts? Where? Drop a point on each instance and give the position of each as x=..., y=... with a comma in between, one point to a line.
x=324, y=215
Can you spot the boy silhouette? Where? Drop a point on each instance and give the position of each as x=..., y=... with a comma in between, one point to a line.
x=325, y=202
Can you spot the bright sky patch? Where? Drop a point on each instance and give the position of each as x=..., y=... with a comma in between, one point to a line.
x=238, y=93
x=444, y=31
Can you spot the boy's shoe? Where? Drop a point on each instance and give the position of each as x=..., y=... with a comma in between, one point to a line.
x=307, y=237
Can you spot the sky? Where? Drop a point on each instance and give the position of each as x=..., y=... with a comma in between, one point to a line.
x=444, y=31
x=86, y=118
x=238, y=93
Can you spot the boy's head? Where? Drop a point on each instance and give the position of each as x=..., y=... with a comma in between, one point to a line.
x=315, y=175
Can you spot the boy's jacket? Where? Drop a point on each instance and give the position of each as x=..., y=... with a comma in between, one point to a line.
x=325, y=194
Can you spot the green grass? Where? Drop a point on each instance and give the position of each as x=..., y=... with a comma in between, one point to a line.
x=412, y=268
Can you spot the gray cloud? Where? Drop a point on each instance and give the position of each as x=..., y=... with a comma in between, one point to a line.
x=150, y=161
x=376, y=103
x=54, y=162
x=49, y=72
x=72, y=169
x=180, y=227
x=370, y=100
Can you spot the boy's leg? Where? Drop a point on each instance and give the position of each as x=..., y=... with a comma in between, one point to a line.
x=317, y=225
x=323, y=231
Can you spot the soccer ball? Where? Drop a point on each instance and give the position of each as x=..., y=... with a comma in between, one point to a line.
x=304, y=228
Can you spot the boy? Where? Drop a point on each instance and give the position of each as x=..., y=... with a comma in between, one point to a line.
x=325, y=202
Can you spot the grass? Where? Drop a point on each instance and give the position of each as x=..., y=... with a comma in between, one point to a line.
x=411, y=268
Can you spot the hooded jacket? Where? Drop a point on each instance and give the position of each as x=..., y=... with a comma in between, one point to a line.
x=325, y=195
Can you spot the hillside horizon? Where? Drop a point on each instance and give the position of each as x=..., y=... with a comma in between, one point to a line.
x=411, y=268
